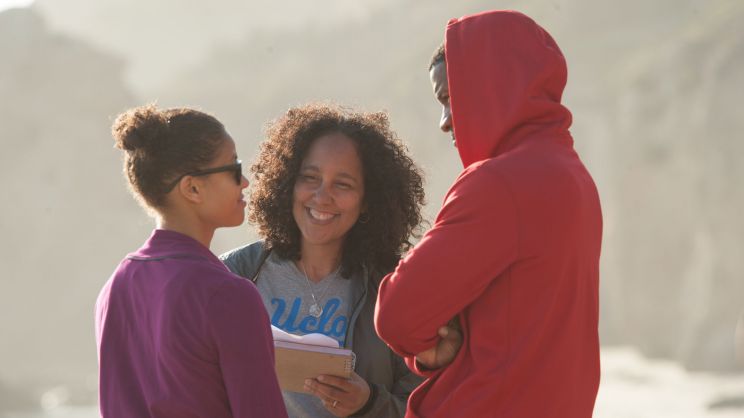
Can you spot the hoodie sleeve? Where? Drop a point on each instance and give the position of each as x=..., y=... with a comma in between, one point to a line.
x=473, y=241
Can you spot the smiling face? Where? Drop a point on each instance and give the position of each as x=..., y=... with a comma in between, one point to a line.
x=329, y=191
x=438, y=75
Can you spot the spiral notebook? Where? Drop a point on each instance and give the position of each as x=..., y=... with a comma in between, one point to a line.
x=306, y=357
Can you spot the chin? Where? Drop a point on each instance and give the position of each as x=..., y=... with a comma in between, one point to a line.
x=237, y=221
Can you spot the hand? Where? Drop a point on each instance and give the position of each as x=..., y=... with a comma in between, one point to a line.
x=341, y=397
x=446, y=349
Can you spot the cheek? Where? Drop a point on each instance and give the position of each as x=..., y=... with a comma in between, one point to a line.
x=296, y=205
x=298, y=196
x=301, y=191
x=353, y=204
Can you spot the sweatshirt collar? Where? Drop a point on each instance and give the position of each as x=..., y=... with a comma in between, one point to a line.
x=164, y=243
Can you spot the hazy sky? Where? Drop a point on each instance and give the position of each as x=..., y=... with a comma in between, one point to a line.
x=7, y=4
x=155, y=51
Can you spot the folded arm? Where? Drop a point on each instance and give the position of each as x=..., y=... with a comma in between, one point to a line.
x=473, y=240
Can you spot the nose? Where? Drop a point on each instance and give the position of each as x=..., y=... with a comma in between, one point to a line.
x=322, y=194
x=244, y=182
x=445, y=123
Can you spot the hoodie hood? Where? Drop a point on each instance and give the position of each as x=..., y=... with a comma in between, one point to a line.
x=506, y=76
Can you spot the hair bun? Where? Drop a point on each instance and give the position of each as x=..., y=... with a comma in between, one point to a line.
x=140, y=128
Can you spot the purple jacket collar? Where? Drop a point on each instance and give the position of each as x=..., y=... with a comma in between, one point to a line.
x=165, y=244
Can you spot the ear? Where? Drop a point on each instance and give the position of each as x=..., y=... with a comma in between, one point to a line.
x=191, y=189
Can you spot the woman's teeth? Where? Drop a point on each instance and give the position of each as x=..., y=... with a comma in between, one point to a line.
x=321, y=216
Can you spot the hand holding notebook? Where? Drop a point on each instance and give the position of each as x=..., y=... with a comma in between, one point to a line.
x=307, y=357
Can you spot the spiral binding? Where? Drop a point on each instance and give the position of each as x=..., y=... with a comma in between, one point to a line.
x=350, y=365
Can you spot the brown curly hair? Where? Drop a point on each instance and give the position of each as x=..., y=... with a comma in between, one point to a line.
x=393, y=185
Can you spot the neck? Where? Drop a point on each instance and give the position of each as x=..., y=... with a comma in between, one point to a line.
x=319, y=260
x=189, y=227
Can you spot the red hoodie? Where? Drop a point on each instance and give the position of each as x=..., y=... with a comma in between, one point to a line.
x=515, y=248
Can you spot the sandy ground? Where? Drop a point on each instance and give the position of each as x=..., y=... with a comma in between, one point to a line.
x=635, y=387
x=632, y=387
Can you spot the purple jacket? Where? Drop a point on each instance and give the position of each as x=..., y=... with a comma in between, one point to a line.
x=178, y=335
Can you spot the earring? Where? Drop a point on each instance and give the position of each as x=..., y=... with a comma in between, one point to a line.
x=363, y=218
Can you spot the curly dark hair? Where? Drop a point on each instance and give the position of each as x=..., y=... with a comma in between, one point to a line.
x=393, y=185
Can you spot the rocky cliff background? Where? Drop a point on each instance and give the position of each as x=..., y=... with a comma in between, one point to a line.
x=655, y=88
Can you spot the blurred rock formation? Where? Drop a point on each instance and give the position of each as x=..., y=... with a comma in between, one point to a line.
x=66, y=217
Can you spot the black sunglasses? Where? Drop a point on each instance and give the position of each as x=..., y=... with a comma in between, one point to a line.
x=236, y=168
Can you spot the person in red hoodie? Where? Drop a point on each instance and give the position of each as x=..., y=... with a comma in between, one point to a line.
x=514, y=251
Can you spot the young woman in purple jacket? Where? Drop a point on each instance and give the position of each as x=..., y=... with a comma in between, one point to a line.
x=178, y=334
